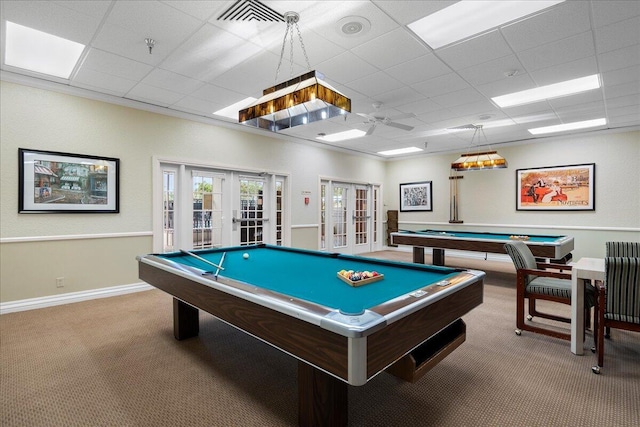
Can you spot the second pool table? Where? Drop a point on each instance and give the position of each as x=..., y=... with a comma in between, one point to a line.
x=341, y=335
x=556, y=248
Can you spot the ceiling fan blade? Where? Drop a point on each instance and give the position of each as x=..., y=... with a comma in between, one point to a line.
x=371, y=129
x=399, y=126
x=367, y=116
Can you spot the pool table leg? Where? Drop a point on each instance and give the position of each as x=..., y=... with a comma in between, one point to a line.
x=437, y=256
x=185, y=320
x=418, y=255
x=322, y=398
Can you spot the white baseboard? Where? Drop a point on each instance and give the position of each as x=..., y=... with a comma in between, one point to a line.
x=71, y=297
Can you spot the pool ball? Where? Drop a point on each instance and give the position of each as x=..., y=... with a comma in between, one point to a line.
x=245, y=255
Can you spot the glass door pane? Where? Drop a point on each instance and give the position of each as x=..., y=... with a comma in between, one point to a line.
x=207, y=210
x=251, y=211
x=168, y=210
x=339, y=220
x=361, y=216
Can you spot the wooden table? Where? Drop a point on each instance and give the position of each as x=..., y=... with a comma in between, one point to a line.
x=585, y=268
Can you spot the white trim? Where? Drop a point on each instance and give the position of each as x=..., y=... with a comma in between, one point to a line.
x=71, y=297
x=305, y=226
x=518, y=226
x=74, y=237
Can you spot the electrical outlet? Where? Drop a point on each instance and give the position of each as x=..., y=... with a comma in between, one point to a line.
x=59, y=282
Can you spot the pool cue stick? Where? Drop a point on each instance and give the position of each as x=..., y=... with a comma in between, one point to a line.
x=450, y=199
x=201, y=259
x=220, y=266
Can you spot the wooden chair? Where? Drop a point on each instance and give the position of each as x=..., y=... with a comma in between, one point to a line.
x=618, y=300
x=535, y=282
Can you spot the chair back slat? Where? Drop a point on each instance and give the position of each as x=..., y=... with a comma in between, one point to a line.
x=622, y=281
x=521, y=256
x=617, y=249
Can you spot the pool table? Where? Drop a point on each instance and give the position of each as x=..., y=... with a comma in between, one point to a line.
x=556, y=248
x=341, y=334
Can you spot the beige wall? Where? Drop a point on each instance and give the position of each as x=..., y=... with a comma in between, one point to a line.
x=94, y=251
x=98, y=250
x=488, y=198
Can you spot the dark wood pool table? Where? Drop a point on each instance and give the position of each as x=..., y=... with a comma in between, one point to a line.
x=556, y=248
x=341, y=335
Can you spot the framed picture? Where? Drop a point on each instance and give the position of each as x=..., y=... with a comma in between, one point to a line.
x=416, y=196
x=52, y=182
x=556, y=188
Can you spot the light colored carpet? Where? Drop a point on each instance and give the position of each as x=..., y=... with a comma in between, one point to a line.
x=114, y=362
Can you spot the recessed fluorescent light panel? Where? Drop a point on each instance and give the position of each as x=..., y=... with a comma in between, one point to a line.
x=400, y=151
x=556, y=90
x=342, y=136
x=568, y=126
x=232, y=110
x=470, y=17
x=40, y=52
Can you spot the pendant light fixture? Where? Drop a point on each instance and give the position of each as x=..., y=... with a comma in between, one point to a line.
x=479, y=160
x=297, y=101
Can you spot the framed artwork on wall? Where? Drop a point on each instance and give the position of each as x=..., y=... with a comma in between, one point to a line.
x=556, y=188
x=416, y=196
x=53, y=182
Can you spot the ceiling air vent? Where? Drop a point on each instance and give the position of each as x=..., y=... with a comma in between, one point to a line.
x=250, y=10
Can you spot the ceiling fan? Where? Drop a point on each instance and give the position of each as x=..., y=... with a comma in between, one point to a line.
x=374, y=118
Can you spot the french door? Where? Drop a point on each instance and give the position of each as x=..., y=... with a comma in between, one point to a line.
x=349, y=217
x=204, y=208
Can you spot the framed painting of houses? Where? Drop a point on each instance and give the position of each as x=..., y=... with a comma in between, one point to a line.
x=556, y=188
x=53, y=182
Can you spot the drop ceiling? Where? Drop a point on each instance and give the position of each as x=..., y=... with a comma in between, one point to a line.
x=201, y=64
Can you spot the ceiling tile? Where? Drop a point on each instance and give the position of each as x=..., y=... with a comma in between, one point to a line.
x=175, y=82
x=559, y=52
x=464, y=96
x=392, y=48
x=507, y=85
x=621, y=75
x=577, y=99
x=209, y=53
x=102, y=82
x=54, y=18
x=326, y=16
x=419, y=69
x=621, y=34
x=620, y=58
x=108, y=63
x=346, y=67
x=398, y=96
x=475, y=51
x=419, y=107
x=569, y=70
x=199, y=106
x=154, y=95
x=375, y=84
x=202, y=10
x=491, y=71
x=557, y=23
x=440, y=85
x=611, y=11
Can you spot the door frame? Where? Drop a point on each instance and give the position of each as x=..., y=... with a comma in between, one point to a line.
x=182, y=165
x=353, y=184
